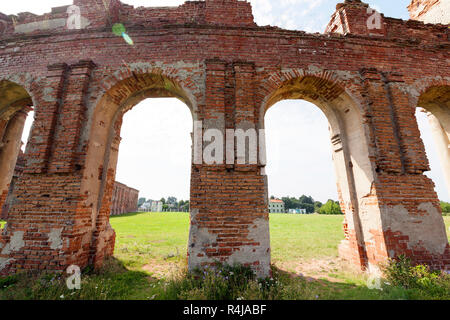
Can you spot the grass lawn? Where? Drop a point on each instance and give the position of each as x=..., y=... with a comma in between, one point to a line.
x=151, y=250
x=161, y=236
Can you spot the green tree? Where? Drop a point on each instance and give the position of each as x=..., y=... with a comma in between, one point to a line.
x=290, y=203
x=306, y=199
x=304, y=202
x=171, y=200
x=163, y=200
x=317, y=206
x=445, y=206
x=331, y=207
x=307, y=206
x=185, y=206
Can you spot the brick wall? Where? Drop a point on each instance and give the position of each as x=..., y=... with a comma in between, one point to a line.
x=7, y=197
x=228, y=72
x=124, y=200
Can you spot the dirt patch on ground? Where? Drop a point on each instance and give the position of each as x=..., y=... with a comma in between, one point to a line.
x=311, y=270
x=163, y=269
x=314, y=269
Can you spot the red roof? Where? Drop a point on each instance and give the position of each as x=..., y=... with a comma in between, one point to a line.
x=276, y=200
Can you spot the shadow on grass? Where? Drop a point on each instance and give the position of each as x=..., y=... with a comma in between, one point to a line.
x=111, y=282
x=115, y=282
x=315, y=288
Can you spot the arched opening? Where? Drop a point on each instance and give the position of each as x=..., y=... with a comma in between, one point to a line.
x=349, y=154
x=15, y=106
x=155, y=159
x=302, y=181
x=434, y=108
x=105, y=137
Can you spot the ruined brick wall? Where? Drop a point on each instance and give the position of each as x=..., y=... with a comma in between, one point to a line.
x=228, y=72
x=124, y=199
x=8, y=199
x=430, y=11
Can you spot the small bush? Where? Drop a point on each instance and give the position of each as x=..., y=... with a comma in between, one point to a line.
x=8, y=281
x=419, y=280
x=223, y=282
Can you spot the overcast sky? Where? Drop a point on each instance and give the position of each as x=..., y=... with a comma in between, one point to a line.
x=155, y=151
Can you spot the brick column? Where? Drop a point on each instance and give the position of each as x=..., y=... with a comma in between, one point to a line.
x=46, y=115
x=71, y=117
x=104, y=235
x=49, y=224
x=401, y=215
x=229, y=214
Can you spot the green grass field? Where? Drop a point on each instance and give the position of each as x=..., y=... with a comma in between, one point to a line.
x=162, y=235
x=150, y=263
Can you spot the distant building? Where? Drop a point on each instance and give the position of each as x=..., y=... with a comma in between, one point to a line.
x=151, y=206
x=276, y=206
x=157, y=206
x=124, y=199
x=297, y=211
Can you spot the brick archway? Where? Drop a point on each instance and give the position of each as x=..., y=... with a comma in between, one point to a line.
x=211, y=55
x=358, y=172
x=104, y=139
x=350, y=150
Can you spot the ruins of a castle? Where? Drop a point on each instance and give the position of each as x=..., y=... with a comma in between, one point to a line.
x=368, y=73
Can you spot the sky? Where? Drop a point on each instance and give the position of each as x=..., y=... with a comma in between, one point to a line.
x=155, y=152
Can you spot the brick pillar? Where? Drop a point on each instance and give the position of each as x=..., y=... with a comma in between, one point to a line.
x=401, y=215
x=104, y=235
x=49, y=225
x=229, y=214
x=352, y=247
x=71, y=117
x=46, y=115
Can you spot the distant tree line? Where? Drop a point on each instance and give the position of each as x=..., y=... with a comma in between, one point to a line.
x=310, y=205
x=445, y=206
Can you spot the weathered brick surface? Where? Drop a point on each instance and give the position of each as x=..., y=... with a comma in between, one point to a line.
x=6, y=197
x=430, y=11
x=228, y=71
x=124, y=199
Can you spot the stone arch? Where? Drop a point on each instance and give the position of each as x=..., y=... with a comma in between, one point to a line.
x=181, y=73
x=351, y=152
x=15, y=103
x=103, y=143
x=434, y=99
